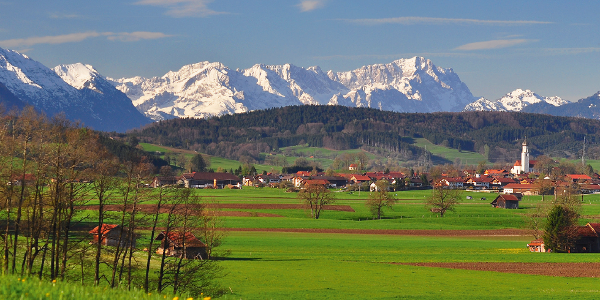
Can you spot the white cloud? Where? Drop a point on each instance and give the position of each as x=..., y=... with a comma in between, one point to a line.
x=570, y=51
x=397, y=56
x=136, y=36
x=183, y=8
x=439, y=21
x=494, y=44
x=78, y=37
x=65, y=16
x=308, y=5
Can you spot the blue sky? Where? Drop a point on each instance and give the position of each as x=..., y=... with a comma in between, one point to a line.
x=550, y=47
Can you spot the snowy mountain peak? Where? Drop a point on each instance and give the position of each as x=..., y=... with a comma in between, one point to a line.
x=513, y=101
x=78, y=75
x=210, y=89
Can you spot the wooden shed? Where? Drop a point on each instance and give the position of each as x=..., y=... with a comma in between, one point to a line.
x=506, y=201
x=110, y=234
x=180, y=244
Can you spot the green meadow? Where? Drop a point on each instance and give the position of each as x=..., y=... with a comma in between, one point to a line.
x=299, y=265
x=305, y=265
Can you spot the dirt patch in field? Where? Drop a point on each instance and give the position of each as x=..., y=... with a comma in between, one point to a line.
x=547, y=269
x=448, y=233
x=150, y=208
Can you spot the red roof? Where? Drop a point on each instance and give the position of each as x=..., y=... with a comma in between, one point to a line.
x=352, y=165
x=105, y=229
x=595, y=227
x=585, y=231
x=316, y=181
x=361, y=178
x=579, y=177
x=177, y=238
x=538, y=242
x=518, y=186
x=509, y=197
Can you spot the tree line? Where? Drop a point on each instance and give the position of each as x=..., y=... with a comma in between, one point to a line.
x=338, y=127
x=52, y=169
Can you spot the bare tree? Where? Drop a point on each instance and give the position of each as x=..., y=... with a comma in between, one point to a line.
x=380, y=198
x=316, y=196
x=443, y=200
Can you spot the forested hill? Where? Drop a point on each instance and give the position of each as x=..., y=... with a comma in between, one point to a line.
x=338, y=127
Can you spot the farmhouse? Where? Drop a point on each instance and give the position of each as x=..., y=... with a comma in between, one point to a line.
x=588, y=240
x=506, y=201
x=209, y=180
x=110, y=234
x=159, y=181
x=180, y=244
x=525, y=189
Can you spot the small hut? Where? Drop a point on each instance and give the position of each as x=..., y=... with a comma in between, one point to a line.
x=111, y=234
x=506, y=201
x=180, y=244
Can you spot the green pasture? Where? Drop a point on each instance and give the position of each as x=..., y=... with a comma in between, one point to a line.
x=265, y=265
x=215, y=161
x=466, y=157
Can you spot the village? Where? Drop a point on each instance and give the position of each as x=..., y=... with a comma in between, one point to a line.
x=502, y=188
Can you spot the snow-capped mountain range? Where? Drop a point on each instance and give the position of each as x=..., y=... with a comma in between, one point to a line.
x=516, y=100
x=210, y=89
x=77, y=90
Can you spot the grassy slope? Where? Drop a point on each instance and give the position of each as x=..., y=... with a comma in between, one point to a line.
x=215, y=162
x=466, y=157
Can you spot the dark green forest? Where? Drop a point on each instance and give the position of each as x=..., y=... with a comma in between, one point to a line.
x=340, y=128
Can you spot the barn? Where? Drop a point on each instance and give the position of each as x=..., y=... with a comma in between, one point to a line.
x=111, y=234
x=506, y=201
x=179, y=244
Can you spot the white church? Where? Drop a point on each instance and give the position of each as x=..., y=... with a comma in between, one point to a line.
x=524, y=165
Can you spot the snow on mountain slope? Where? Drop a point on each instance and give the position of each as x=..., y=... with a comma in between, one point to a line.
x=516, y=100
x=210, y=89
x=417, y=78
x=78, y=91
x=34, y=83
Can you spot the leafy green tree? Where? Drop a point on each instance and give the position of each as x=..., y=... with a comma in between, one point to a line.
x=560, y=232
x=316, y=196
x=380, y=199
x=443, y=200
x=197, y=163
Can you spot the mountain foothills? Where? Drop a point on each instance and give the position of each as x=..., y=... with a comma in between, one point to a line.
x=496, y=135
x=78, y=91
x=209, y=89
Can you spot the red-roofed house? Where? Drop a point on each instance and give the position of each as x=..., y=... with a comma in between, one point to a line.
x=353, y=167
x=576, y=178
x=180, y=244
x=588, y=240
x=209, y=180
x=110, y=234
x=453, y=183
x=356, y=178
x=525, y=189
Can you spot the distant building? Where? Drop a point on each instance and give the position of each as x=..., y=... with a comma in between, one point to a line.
x=525, y=165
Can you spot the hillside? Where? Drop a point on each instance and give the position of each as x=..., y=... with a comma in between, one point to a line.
x=341, y=128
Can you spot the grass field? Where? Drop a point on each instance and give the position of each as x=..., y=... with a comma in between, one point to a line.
x=298, y=265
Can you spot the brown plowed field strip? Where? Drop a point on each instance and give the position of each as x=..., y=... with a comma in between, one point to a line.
x=547, y=269
x=410, y=232
x=148, y=208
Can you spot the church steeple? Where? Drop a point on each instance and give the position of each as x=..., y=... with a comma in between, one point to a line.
x=525, y=157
